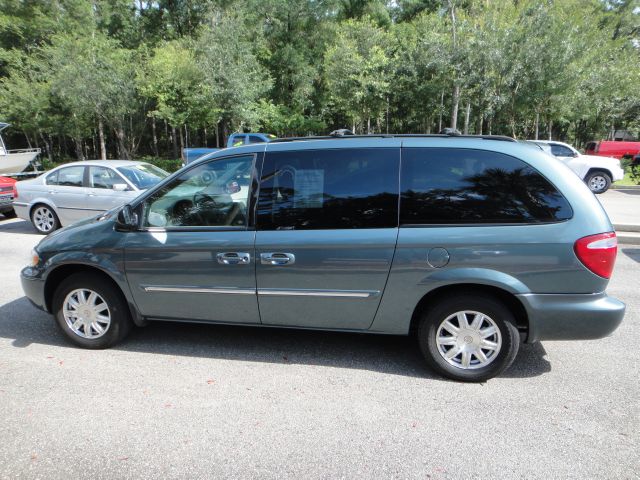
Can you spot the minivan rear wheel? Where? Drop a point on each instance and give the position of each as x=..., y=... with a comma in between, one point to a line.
x=468, y=337
x=91, y=311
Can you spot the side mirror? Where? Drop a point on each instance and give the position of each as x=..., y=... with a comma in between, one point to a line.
x=127, y=218
x=120, y=187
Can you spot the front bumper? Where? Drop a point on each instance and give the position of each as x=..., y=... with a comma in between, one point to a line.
x=33, y=286
x=617, y=174
x=571, y=317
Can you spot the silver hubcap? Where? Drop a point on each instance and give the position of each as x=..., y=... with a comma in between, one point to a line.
x=43, y=219
x=86, y=313
x=468, y=340
x=597, y=183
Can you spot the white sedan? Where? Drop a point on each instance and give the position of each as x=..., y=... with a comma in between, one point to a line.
x=74, y=191
x=597, y=172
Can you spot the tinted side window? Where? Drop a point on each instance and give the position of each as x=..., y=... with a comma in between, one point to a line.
x=561, y=151
x=69, y=177
x=255, y=139
x=329, y=189
x=52, y=179
x=102, y=177
x=214, y=194
x=458, y=186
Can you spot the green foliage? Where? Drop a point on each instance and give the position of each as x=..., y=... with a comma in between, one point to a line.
x=152, y=76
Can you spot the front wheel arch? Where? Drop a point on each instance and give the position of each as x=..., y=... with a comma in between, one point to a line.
x=56, y=276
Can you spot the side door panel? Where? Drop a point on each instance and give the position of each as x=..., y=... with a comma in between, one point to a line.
x=327, y=229
x=194, y=258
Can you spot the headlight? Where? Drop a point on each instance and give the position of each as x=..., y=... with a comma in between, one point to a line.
x=34, y=258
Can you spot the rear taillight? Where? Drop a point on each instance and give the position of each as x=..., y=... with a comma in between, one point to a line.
x=15, y=192
x=598, y=252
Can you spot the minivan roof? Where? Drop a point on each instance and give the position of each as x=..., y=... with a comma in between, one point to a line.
x=501, y=138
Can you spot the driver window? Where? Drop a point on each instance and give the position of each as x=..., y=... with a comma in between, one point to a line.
x=214, y=194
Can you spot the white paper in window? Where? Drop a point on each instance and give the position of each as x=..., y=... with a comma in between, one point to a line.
x=309, y=188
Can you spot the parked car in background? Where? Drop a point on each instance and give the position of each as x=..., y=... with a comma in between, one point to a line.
x=597, y=172
x=74, y=191
x=7, y=194
x=471, y=244
x=613, y=148
x=234, y=140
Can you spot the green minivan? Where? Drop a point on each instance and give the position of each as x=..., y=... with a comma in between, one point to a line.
x=471, y=244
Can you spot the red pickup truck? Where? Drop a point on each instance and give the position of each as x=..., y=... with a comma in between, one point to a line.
x=615, y=149
x=7, y=193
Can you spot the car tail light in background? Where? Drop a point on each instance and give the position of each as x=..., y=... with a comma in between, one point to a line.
x=15, y=191
x=598, y=252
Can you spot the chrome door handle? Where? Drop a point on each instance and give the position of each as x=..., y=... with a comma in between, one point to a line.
x=276, y=258
x=233, y=258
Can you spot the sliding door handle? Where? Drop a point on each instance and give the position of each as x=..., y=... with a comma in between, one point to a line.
x=277, y=258
x=233, y=258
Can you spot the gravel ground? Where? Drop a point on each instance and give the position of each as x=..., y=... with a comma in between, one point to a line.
x=199, y=401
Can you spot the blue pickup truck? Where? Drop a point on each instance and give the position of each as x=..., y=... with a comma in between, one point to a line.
x=234, y=140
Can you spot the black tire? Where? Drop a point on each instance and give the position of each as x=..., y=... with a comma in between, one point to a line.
x=120, y=318
x=42, y=209
x=598, y=181
x=10, y=213
x=501, y=316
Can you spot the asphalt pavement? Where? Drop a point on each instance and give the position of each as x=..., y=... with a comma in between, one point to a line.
x=201, y=401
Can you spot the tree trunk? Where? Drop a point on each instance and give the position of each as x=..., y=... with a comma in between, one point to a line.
x=550, y=128
x=489, y=122
x=454, y=106
x=181, y=144
x=537, y=125
x=103, y=147
x=441, y=110
x=387, y=116
x=79, y=152
x=429, y=123
x=205, y=138
x=480, y=121
x=123, y=153
x=368, y=125
x=174, y=141
x=47, y=146
x=466, y=118
x=217, y=135
x=155, y=137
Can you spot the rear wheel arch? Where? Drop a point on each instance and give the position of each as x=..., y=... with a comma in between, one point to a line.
x=56, y=276
x=514, y=305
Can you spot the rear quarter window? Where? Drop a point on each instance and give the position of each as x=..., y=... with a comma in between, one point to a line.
x=463, y=186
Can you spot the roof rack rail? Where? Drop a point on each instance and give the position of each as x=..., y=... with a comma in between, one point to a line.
x=335, y=136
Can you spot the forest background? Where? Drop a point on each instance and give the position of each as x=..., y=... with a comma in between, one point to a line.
x=143, y=79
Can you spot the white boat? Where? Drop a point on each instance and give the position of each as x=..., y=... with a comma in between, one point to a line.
x=15, y=161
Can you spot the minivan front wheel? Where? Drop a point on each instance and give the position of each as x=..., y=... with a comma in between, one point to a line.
x=91, y=312
x=469, y=338
x=598, y=182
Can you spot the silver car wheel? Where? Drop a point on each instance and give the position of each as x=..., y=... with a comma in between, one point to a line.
x=86, y=313
x=43, y=219
x=468, y=340
x=597, y=183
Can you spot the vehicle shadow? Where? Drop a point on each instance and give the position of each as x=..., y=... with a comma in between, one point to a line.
x=632, y=253
x=11, y=225
x=395, y=355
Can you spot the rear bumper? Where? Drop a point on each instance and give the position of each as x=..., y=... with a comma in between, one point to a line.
x=22, y=210
x=571, y=317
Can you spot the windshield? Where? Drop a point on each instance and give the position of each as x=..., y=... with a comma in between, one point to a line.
x=144, y=175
